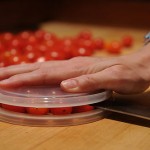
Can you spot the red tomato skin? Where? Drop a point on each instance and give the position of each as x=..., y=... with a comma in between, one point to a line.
x=39, y=34
x=84, y=108
x=127, y=41
x=81, y=51
x=61, y=110
x=114, y=47
x=88, y=44
x=14, y=108
x=55, y=55
x=99, y=43
x=37, y=111
x=85, y=35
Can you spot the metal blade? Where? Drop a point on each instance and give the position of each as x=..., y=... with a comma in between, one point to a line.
x=126, y=107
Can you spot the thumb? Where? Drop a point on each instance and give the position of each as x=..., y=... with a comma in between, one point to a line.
x=88, y=82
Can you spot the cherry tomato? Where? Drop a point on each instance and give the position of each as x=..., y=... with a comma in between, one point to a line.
x=6, y=37
x=50, y=36
x=24, y=35
x=32, y=40
x=99, y=43
x=127, y=41
x=88, y=44
x=14, y=108
x=32, y=56
x=81, y=51
x=39, y=34
x=85, y=35
x=67, y=50
x=40, y=59
x=61, y=110
x=4, y=57
x=55, y=55
x=15, y=43
x=29, y=48
x=14, y=59
x=84, y=108
x=37, y=111
x=49, y=43
x=2, y=48
x=67, y=41
x=42, y=48
x=114, y=47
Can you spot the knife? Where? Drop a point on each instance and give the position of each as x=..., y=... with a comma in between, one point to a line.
x=126, y=107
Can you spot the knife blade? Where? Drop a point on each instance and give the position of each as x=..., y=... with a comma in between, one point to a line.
x=129, y=108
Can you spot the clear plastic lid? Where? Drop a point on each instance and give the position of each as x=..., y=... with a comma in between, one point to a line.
x=49, y=96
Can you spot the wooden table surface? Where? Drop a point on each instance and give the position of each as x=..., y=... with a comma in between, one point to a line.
x=105, y=134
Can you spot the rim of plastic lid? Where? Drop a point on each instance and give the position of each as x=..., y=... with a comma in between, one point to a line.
x=49, y=96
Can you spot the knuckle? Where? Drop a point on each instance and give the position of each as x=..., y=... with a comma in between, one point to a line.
x=89, y=80
x=43, y=73
x=117, y=70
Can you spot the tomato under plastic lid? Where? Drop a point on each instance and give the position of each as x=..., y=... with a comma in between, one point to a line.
x=49, y=96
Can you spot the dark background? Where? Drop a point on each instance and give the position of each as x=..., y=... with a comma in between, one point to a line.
x=24, y=14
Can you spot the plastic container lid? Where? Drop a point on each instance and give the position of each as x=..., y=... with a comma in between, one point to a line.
x=49, y=97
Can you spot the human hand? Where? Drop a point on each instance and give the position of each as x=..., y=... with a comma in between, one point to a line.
x=124, y=74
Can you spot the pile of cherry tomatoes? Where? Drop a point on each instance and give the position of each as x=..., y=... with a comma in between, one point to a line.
x=45, y=111
x=40, y=46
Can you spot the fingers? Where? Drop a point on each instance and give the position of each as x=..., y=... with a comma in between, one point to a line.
x=52, y=72
x=21, y=80
x=16, y=69
x=112, y=78
x=9, y=71
x=41, y=76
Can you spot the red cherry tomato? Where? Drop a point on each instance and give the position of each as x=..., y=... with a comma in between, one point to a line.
x=14, y=59
x=37, y=111
x=50, y=36
x=5, y=56
x=6, y=37
x=16, y=43
x=84, y=108
x=85, y=35
x=39, y=34
x=88, y=44
x=55, y=55
x=24, y=35
x=29, y=48
x=99, y=43
x=67, y=41
x=2, y=48
x=67, y=50
x=42, y=48
x=49, y=43
x=114, y=47
x=14, y=108
x=32, y=40
x=32, y=56
x=40, y=59
x=61, y=110
x=81, y=51
x=127, y=41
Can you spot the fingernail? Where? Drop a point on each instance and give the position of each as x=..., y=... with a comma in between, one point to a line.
x=69, y=84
